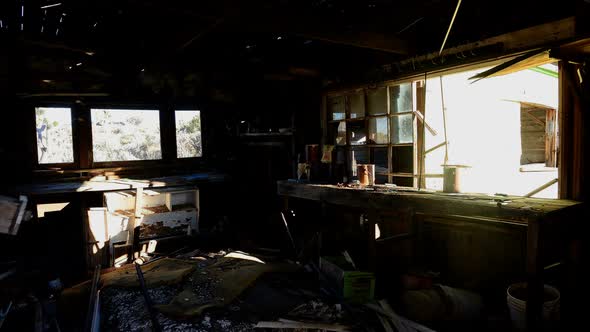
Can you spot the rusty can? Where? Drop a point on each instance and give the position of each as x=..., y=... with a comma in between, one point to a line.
x=366, y=174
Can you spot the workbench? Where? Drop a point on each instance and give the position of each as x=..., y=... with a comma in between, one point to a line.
x=538, y=216
x=76, y=198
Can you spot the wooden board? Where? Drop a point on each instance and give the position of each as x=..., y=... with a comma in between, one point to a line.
x=11, y=213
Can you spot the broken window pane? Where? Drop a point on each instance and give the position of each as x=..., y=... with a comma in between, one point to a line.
x=401, y=99
x=380, y=160
x=403, y=181
x=336, y=107
x=188, y=134
x=121, y=135
x=402, y=159
x=54, y=135
x=402, y=129
x=378, y=130
x=358, y=156
x=358, y=133
x=377, y=101
x=380, y=179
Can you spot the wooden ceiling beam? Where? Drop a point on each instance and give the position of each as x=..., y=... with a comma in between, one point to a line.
x=317, y=28
x=526, y=39
x=363, y=39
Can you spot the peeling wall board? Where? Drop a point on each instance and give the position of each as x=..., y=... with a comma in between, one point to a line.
x=532, y=133
x=164, y=212
x=168, y=223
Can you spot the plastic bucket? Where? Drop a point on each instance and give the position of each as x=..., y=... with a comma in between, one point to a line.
x=516, y=299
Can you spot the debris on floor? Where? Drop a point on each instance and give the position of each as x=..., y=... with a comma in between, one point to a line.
x=229, y=291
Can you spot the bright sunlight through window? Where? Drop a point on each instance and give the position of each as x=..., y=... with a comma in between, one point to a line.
x=188, y=134
x=125, y=135
x=54, y=135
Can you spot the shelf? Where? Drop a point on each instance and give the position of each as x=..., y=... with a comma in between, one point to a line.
x=266, y=134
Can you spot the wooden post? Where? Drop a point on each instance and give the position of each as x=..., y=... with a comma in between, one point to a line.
x=134, y=224
x=420, y=139
x=550, y=138
x=82, y=135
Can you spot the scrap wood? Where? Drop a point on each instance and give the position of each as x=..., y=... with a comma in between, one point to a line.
x=91, y=310
x=218, y=284
x=395, y=319
x=386, y=326
x=165, y=271
x=405, y=324
x=290, y=324
x=12, y=212
x=316, y=310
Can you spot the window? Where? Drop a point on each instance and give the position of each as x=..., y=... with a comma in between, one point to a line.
x=125, y=135
x=538, y=132
x=504, y=128
x=54, y=135
x=188, y=134
x=377, y=126
x=502, y=131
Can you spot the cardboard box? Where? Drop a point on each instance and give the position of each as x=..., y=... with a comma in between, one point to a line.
x=351, y=285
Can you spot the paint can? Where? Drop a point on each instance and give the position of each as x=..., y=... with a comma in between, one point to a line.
x=366, y=174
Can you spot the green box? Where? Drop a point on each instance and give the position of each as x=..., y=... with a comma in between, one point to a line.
x=351, y=285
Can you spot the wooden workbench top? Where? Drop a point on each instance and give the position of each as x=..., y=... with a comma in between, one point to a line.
x=511, y=209
x=104, y=185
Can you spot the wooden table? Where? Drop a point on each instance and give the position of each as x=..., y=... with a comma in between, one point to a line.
x=533, y=213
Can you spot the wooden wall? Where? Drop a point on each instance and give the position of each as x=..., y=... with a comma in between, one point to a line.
x=532, y=133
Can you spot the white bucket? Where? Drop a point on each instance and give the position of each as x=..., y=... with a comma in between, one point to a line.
x=517, y=305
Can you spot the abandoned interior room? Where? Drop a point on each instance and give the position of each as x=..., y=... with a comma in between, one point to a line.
x=294, y=165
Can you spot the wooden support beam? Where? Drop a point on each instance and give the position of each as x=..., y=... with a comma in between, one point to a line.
x=541, y=188
x=363, y=39
x=320, y=30
x=525, y=39
x=435, y=148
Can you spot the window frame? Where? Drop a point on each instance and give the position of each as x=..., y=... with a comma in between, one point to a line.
x=82, y=134
x=390, y=146
x=35, y=152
